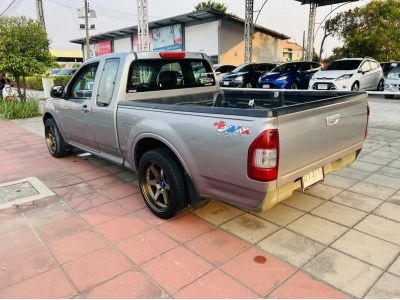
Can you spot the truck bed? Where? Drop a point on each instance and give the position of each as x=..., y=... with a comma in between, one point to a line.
x=252, y=103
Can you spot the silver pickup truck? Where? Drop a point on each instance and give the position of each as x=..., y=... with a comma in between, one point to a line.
x=163, y=115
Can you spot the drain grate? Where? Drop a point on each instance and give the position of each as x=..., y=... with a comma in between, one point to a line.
x=23, y=190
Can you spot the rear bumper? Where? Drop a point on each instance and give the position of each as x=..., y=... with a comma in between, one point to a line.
x=287, y=187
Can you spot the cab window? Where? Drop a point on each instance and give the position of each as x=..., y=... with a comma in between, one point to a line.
x=156, y=74
x=82, y=84
x=107, y=82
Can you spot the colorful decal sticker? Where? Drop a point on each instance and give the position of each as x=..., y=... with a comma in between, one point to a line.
x=222, y=127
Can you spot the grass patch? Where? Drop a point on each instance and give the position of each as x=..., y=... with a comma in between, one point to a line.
x=19, y=110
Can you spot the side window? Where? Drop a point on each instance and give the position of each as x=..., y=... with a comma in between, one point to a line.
x=82, y=84
x=315, y=66
x=305, y=67
x=107, y=82
x=374, y=65
x=261, y=68
x=365, y=67
x=202, y=75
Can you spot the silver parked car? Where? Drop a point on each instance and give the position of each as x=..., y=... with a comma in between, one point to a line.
x=392, y=82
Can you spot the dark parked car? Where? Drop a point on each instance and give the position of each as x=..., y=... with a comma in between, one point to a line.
x=388, y=66
x=246, y=75
x=221, y=69
x=294, y=75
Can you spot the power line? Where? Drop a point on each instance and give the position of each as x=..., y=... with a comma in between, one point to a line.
x=12, y=2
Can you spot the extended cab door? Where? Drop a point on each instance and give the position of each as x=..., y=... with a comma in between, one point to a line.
x=102, y=115
x=76, y=109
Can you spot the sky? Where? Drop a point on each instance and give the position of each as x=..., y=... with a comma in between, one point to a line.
x=286, y=16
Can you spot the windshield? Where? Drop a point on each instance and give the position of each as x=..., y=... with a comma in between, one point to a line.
x=66, y=72
x=343, y=65
x=243, y=68
x=286, y=68
x=395, y=70
x=386, y=67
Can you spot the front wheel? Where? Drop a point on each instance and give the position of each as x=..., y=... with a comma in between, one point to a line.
x=355, y=87
x=293, y=86
x=55, y=142
x=380, y=86
x=161, y=183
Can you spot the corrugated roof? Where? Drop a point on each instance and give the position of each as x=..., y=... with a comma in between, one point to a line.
x=324, y=2
x=201, y=16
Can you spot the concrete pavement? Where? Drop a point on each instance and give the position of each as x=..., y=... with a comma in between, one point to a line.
x=339, y=239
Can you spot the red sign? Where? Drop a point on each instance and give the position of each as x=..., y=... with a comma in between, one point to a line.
x=102, y=48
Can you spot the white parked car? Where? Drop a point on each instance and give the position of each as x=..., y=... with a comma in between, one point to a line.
x=392, y=82
x=349, y=74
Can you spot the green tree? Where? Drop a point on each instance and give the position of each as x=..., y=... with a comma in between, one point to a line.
x=211, y=4
x=372, y=30
x=24, y=49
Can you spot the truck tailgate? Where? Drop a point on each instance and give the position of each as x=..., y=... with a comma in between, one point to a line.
x=310, y=135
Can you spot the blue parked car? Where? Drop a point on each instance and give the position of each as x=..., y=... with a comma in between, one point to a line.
x=294, y=75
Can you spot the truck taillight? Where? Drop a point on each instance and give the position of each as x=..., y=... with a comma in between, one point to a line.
x=172, y=54
x=366, y=128
x=263, y=158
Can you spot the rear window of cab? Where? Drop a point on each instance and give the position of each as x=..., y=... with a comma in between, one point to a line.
x=166, y=74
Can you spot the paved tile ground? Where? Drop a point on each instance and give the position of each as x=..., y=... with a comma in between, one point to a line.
x=96, y=239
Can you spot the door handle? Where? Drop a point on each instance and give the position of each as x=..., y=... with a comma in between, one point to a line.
x=84, y=108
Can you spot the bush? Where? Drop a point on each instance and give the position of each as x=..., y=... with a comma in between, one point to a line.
x=35, y=82
x=62, y=80
x=19, y=110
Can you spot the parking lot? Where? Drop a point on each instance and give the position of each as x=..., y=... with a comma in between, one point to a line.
x=95, y=238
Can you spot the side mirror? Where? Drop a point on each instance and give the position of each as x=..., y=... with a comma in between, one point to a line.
x=57, y=91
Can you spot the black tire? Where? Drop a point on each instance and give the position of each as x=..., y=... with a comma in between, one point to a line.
x=355, y=87
x=248, y=85
x=54, y=140
x=389, y=96
x=380, y=86
x=293, y=86
x=161, y=177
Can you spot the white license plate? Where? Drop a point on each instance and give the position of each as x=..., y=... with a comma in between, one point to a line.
x=322, y=86
x=266, y=86
x=226, y=82
x=312, y=178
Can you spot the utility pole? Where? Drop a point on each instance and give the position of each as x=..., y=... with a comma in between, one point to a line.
x=143, y=25
x=87, y=28
x=40, y=14
x=248, y=31
x=311, y=29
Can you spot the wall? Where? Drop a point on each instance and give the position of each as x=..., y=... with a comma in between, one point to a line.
x=123, y=45
x=265, y=47
x=202, y=38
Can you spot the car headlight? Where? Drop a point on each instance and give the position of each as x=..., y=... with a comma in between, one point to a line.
x=345, y=76
x=239, y=78
x=282, y=78
x=393, y=76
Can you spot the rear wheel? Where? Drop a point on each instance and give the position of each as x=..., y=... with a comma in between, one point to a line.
x=55, y=142
x=162, y=183
x=355, y=87
x=380, y=86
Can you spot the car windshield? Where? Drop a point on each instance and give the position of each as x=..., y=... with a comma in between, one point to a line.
x=395, y=70
x=66, y=72
x=343, y=65
x=243, y=68
x=286, y=68
x=387, y=67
